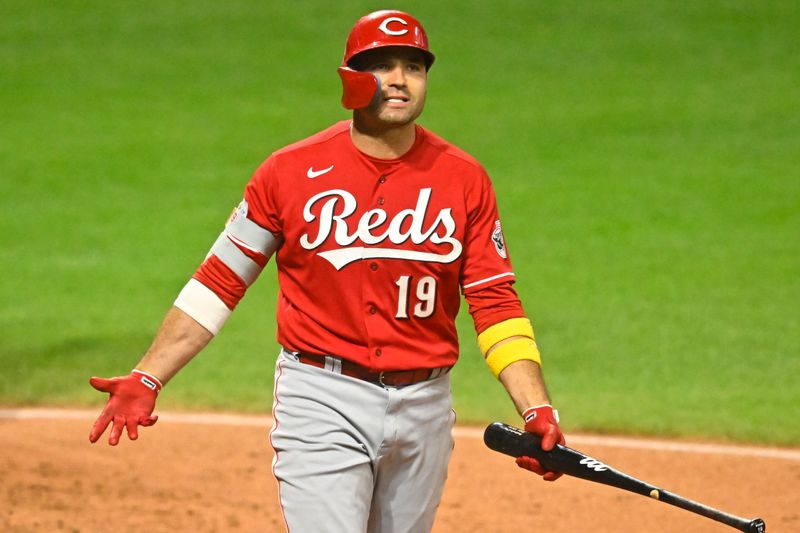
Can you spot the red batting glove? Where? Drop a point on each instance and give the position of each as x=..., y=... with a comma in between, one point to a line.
x=542, y=420
x=132, y=400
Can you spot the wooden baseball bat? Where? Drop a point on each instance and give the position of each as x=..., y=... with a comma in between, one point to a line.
x=516, y=442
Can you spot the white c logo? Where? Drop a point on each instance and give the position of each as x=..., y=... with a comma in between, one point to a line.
x=384, y=27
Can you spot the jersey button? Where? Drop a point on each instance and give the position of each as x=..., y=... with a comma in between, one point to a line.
x=382, y=179
x=373, y=309
x=373, y=266
x=381, y=201
x=378, y=352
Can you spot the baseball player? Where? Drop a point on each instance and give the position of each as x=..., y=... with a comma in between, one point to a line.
x=377, y=226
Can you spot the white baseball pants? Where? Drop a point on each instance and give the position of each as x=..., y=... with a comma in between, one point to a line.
x=352, y=456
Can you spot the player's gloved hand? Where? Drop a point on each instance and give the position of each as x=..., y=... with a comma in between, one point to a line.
x=542, y=420
x=132, y=400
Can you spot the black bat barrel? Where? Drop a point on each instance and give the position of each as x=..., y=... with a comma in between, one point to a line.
x=517, y=443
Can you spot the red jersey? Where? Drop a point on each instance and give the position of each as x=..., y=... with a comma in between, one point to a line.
x=374, y=252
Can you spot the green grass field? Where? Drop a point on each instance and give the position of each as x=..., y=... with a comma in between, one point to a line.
x=645, y=156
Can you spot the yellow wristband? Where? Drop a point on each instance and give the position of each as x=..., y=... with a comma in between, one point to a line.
x=512, y=351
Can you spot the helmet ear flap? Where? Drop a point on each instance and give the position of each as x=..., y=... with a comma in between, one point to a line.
x=359, y=89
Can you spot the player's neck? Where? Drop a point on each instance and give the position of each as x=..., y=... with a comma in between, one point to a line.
x=383, y=143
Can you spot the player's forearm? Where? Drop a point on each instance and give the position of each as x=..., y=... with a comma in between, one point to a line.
x=178, y=340
x=525, y=384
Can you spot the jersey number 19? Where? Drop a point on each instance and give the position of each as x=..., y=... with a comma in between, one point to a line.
x=425, y=295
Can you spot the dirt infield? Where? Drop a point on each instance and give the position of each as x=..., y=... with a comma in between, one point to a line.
x=182, y=476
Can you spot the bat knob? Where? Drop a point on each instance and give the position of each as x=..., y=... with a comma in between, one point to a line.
x=757, y=525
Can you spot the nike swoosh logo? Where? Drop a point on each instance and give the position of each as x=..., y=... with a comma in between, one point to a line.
x=311, y=173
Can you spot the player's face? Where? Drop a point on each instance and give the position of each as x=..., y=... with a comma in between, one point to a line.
x=404, y=80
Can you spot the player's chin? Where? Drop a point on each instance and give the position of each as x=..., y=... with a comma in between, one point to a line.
x=399, y=116
x=395, y=120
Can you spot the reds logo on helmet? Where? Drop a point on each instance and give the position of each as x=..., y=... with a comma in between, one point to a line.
x=384, y=27
x=376, y=30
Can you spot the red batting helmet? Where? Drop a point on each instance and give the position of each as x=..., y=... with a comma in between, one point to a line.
x=376, y=30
